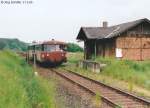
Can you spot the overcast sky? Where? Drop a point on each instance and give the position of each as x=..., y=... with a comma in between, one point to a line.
x=62, y=19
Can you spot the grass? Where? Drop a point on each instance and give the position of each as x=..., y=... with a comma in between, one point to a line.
x=73, y=58
x=97, y=100
x=20, y=88
x=133, y=76
x=130, y=71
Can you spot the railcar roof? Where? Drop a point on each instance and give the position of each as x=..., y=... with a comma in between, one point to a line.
x=52, y=42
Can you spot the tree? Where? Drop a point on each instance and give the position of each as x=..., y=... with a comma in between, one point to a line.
x=2, y=45
x=72, y=47
x=13, y=44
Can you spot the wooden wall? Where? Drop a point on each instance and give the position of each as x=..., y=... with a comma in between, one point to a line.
x=106, y=48
x=135, y=44
x=89, y=49
x=135, y=47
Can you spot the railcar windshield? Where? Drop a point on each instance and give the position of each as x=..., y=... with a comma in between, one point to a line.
x=51, y=48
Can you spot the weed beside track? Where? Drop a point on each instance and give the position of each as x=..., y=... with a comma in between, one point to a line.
x=19, y=87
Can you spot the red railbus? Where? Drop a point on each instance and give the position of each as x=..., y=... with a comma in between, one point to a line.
x=49, y=53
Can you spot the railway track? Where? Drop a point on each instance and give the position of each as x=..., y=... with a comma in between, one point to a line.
x=115, y=98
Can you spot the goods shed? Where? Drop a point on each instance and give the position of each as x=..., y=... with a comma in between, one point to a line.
x=130, y=41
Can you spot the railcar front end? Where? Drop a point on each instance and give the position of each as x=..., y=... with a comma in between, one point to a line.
x=51, y=53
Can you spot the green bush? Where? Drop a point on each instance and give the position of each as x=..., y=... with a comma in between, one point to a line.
x=19, y=87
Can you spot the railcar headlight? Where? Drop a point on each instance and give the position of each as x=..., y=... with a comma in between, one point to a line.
x=47, y=54
x=43, y=56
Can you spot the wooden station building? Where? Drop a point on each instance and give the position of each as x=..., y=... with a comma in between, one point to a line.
x=130, y=41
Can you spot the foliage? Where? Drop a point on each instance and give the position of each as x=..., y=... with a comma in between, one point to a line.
x=19, y=87
x=13, y=44
x=130, y=71
x=97, y=99
x=74, y=57
x=72, y=47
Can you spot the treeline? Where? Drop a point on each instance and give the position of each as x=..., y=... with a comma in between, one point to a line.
x=17, y=45
x=12, y=44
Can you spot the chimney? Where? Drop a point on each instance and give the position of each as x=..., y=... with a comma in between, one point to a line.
x=105, y=24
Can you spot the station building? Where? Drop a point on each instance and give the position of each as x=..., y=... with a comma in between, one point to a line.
x=130, y=41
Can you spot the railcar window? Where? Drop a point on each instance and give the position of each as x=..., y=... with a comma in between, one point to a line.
x=42, y=47
x=63, y=47
x=30, y=48
x=57, y=47
x=51, y=48
x=39, y=47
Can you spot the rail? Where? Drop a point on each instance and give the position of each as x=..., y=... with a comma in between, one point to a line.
x=108, y=101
